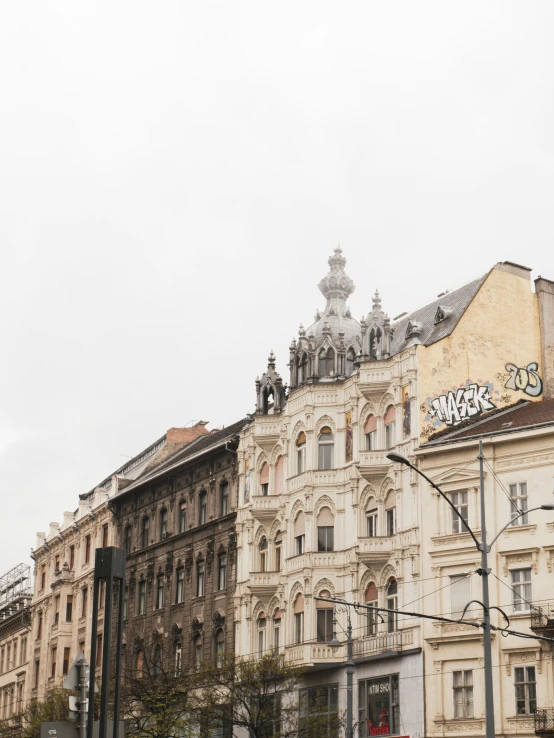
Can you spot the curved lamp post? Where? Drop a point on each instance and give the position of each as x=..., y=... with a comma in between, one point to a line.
x=484, y=548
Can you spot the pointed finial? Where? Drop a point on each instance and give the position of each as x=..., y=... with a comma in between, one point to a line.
x=271, y=360
x=376, y=300
x=301, y=330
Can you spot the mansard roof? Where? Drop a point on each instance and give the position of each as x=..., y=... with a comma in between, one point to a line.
x=436, y=320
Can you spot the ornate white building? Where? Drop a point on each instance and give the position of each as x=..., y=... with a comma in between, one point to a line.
x=322, y=512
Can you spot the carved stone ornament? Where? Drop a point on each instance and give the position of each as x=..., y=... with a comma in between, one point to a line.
x=188, y=561
x=196, y=626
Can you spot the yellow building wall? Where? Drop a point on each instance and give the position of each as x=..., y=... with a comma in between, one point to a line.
x=487, y=361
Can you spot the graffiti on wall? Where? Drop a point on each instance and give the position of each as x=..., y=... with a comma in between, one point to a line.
x=525, y=379
x=349, y=436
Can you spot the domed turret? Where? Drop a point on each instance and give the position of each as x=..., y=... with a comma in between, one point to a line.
x=329, y=347
x=377, y=332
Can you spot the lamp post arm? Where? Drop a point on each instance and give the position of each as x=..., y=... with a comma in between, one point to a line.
x=520, y=515
x=445, y=497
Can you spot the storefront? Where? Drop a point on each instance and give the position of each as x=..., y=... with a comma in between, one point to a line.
x=378, y=706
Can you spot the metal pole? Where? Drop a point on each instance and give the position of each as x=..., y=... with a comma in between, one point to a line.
x=489, y=693
x=104, y=689
x=82, y=726
x=119, y=649
x=349, y=679
x=93, y=641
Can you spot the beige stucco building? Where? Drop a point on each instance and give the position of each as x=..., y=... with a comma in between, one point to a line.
x=518, y=445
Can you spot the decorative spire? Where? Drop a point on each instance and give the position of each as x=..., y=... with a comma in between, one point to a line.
x=376, y=301
x=337, y=283
x=301, y=330
x=271, y=360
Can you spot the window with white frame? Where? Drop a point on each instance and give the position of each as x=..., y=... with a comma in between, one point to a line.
x=460, y=594
x=299, y=619
x=462, y=688
x=390, y=427
x=264, y=480
x=371, y=599
x=262, y=625
x=370, y=432
x=299, y=534
x=325, y=530
x=392, y=604
x=522, y=593
x=526, y=690
x=324, y=618
x=301, y=453
x=326, y=447
x=276, y=630
x=390, y=514
x=460, y=500
x=519, y=503
x=371, y=521
x=278, y=551
x=263, y=554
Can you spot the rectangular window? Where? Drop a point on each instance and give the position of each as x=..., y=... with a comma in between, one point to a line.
x=378, y=706
x=391, y=521
x=141, y=598
x=462, y=687
x=299, y=545
x=8, y=657
x=200, y=579
x=163, y=524
x=53, y=664
x=128, y=539
x=104, y=536
x=278, y=561
x=84, y=601
x=202, y=508
x=526, y=690
x=65, y=668
x=301, y=459
x=222, y=571
x=460, y=594
x=319, y=704
x=521, y=589
x=371, y=525
x=461, y=503
x=72, y=557
x=99, y=650
x=180, y=589
x=69, y=609
x=126, y=603
x=325, y=456
x=519, y=503
x=37, y=672
x=39, y=626
x=101, y=594
x=224, y=499
x=23, y=650
x=390, y=437
x=145, y=532
x=87, y=549
x=56, y=609
x=264, y=489
x=371, y=441
x=276, y=634
x=183, y=518
x=160, y=592
x=43, y=577
x=324, y=626
x=326, y=538
x=299, y=627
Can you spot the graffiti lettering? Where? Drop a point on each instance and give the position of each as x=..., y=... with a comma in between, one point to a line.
x=526, y=379
x=457, y=405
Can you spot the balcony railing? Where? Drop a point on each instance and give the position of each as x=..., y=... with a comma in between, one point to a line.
x=544, y=720
x=315, y=653
x=372, y=645
x=542, y=618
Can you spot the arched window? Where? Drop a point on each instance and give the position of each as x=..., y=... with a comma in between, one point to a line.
x=301, y=453
x=326, y=362
x=299, y=619
x=350, y=359
x=375, y=344
x=371, y=598
x=280, y=476
x=371, y=518
x=157, y=665
x=392, y=604
x=390, y=433
x=370, y=432
x=325, y=530
x=267, y=393
x=202, y=507
x=264, y=480
x=262, y=624
x=276, y=630
x=390, y=513
x=302, y=365
x=278, y=551
x=299, y=533
x=326, y=446
x=224, y=498
x=198, y=652
x=139, y=664
x=324, y=612
x=263, y=554
x=219, y=648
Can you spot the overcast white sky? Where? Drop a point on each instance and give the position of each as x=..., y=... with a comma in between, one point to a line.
x=174, y=176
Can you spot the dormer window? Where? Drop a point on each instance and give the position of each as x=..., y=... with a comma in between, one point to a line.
x=442, y=314
x=413, y=330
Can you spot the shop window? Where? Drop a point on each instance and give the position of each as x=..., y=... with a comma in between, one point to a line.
x=324, y=618
x=370, y=432
x=326, y=447
x=300, y=454
x=321, y=705
x=378, y=706
x=325, y=530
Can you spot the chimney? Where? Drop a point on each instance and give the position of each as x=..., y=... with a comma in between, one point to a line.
x=186, y=435
x=545, y=294
x=518, y=270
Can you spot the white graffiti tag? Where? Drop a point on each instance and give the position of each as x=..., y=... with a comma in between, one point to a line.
x=457, y=405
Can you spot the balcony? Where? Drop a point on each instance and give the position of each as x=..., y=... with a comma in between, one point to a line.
x=316, y=559
x=265, y=507
x=380, y=643
x=264, y=583
x=266, y=431
x=376, y=550
x=544, y=721
x=374, y=464
x=542, y=619
x=315, y=654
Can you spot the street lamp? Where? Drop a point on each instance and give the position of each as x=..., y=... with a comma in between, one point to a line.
x=484, y=548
